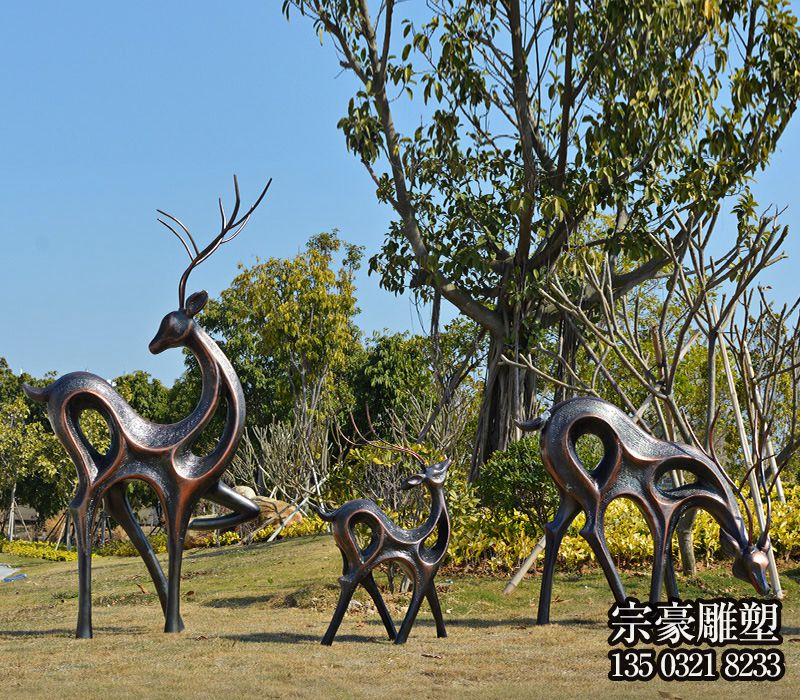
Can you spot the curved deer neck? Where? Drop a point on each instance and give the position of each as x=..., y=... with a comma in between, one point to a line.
x=437, y=514
x=217, y=375
x=730, y=519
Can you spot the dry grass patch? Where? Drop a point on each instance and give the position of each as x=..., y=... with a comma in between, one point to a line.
x=254, y=617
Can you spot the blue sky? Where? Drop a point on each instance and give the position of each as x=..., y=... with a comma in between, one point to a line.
x=115, y=109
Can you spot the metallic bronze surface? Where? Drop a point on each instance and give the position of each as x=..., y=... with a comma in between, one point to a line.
x=160, y=455
x=636, y=466
x=388, y=543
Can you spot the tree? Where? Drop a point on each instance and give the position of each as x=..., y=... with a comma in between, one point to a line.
x=669, y=346
x=530, y=121
x=147, y=396
x=393, y=370
x=288, y=326
x=30, y=454
x=289, y=331
x=421, y=389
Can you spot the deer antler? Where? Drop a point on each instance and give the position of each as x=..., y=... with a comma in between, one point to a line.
x=228, y=224
x=178, y=235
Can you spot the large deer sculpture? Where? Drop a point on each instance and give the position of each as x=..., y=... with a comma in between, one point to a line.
x=160, y=455
x=634, y=465
x=391, y=543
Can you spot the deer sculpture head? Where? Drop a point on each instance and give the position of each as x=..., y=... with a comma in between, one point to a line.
x=750, y=560
x=432, y=476
x=751, y=565
x=177, y=326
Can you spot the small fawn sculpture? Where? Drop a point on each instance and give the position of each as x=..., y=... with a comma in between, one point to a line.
x=633, y=466
x=387, y=543
x=160, y=455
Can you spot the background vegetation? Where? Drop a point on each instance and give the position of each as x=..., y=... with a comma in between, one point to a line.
x=560, y=184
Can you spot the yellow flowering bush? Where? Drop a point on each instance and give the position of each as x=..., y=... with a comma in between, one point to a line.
x=37, y=550
x=310, y=525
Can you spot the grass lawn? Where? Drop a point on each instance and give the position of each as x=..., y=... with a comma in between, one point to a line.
x=254, y=617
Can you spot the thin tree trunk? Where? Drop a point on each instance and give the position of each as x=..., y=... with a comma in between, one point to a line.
x=567, y=351
x=684, y=528
x=11, y=516
x=685, y=532
x=744, y=441
x=67, y=539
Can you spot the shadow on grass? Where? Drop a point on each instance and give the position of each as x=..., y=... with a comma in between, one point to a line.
x=63, y=632
x=514, y=623
x=579, y=623
x=379, y=635
x=255, y=547
x=303, y=638
x=242, y=601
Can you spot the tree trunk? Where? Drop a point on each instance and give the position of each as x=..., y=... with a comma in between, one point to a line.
x=508, y=396
x=11, y=515
x=567, y=351
x=686, y=542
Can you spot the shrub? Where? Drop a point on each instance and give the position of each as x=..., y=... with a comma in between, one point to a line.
x=483, y=540
x=785, y=529
x=515, y=482
x=229, y=538
x=310, y=525
x=125, y=548
x=36, y=550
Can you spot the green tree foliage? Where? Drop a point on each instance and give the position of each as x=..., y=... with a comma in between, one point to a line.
x=148, y=396
x=515, y=481
x=33, y=467
x=391, y=368
x=421, y=389
x=288, y=327
x=530, y=119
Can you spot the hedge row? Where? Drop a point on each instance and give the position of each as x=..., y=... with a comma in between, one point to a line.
x=496, y=543
x=36, y=550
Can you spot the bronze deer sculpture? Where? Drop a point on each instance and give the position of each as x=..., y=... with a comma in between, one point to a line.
x=391, y=543
x=160, y=455
x=633, y=466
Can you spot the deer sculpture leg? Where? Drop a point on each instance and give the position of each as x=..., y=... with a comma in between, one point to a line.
x=660, y=544
x=436, y=609
x=118, y=506
x=418, y=595
x=372, y=588
x=347, y=586
x=83, y=516
x=177, y=522
x=223, y=495
x=593, y=533
x=554, y=532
